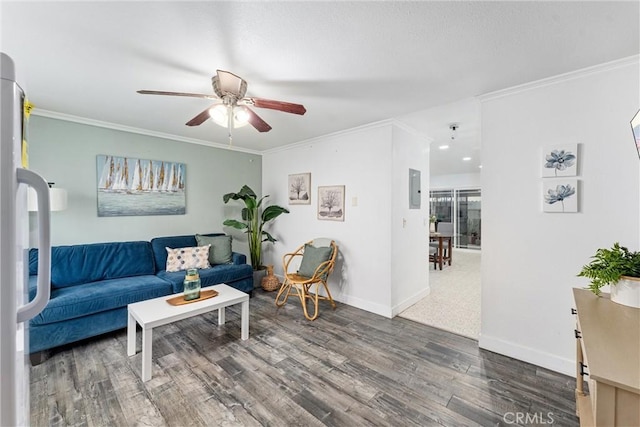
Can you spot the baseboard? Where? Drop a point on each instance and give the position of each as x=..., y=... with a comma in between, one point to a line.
x=527, y=354
x=410, y=301
x=374, y=308
x=369, y=306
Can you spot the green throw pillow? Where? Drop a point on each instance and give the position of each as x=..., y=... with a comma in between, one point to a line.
x=312, y=258
x=220, y=251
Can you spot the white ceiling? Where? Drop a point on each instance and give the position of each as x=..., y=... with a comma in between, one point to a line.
x=349, y=63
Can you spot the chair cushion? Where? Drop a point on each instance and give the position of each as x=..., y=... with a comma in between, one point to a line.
x=220, y=251
x=312, y=258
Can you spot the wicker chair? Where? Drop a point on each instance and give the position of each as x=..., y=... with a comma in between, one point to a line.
x=313, y=270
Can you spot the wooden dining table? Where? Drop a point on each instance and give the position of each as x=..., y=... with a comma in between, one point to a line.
x=442, y=256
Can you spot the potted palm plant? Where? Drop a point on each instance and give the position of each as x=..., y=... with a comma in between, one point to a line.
x=254, y=217
x=618, y=267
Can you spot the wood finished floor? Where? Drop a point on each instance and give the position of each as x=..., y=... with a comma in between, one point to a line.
x=347, y=368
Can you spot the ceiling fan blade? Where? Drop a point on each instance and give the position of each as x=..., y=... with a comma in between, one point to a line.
x=256, y=121
x=200, y=118
x=287, y=107
x=192, y=95
x=231, y=84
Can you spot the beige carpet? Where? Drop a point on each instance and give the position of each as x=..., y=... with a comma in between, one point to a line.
x=454, y=301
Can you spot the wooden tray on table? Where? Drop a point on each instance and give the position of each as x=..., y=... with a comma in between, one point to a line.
x=179, y=300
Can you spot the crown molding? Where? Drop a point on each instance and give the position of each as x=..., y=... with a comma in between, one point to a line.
x=321, y=138
x=413, y=131
x=130, y=129
x=368, y=126
x=572, y=75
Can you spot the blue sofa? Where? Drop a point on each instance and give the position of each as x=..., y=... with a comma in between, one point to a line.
x=91, y=285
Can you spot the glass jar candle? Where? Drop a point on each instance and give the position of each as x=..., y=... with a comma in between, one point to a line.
x=191, y=285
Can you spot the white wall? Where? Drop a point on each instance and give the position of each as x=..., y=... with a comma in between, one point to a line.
x=409, y=227
x=459, y=180
x=530, y=259
x=363, y=160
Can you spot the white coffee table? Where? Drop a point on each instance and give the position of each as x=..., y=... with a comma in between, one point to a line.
x=157, y=312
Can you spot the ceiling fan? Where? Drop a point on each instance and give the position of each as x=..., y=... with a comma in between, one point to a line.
x=232, y=109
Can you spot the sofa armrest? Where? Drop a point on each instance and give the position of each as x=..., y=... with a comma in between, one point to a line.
x=33, y=285
x=238, y=258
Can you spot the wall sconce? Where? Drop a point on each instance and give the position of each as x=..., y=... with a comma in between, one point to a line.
x=57, y=197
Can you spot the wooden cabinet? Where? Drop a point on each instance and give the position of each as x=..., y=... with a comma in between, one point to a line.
x=608, y=353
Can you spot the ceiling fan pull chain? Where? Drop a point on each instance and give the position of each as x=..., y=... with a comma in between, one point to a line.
x=230, y=124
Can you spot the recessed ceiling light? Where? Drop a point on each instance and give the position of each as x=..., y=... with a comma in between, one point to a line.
x=466, y=159
x=444, y=147
x=480, y=166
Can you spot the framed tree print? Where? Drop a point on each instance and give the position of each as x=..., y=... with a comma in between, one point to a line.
x=331, y=203
x=299, y=189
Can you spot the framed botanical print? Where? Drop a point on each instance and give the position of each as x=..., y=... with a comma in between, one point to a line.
x=560, y=160
x=560, y=195
x=299, y=189
x=331, y=203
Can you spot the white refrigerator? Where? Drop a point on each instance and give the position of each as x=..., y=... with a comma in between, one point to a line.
x=15, y=308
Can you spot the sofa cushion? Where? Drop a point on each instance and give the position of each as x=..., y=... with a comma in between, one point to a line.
x=185, y=258
x=159, y=245
x=224, y=273
x=44, y=337
x=78, y=264
x=78, y=301
x=220, y=251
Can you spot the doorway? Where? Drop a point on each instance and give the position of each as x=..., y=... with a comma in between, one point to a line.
x=454, y=301
x=455, y=167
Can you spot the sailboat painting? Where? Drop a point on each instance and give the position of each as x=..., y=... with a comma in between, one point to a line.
x=132, y=187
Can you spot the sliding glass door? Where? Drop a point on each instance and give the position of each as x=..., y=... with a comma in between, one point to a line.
x=468, y=219
x=462, y=207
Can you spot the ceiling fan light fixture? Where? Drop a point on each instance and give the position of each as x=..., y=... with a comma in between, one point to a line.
x=240, y=117
x=220, y=116
x=231, y=109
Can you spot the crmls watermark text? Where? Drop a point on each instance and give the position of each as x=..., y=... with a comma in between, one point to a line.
x=524, y=418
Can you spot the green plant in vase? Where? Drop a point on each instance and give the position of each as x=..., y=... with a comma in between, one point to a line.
x=254, y=217
x=610, y=265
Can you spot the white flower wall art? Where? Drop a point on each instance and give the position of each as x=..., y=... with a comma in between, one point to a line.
x=560, y=196
x=560, y=161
